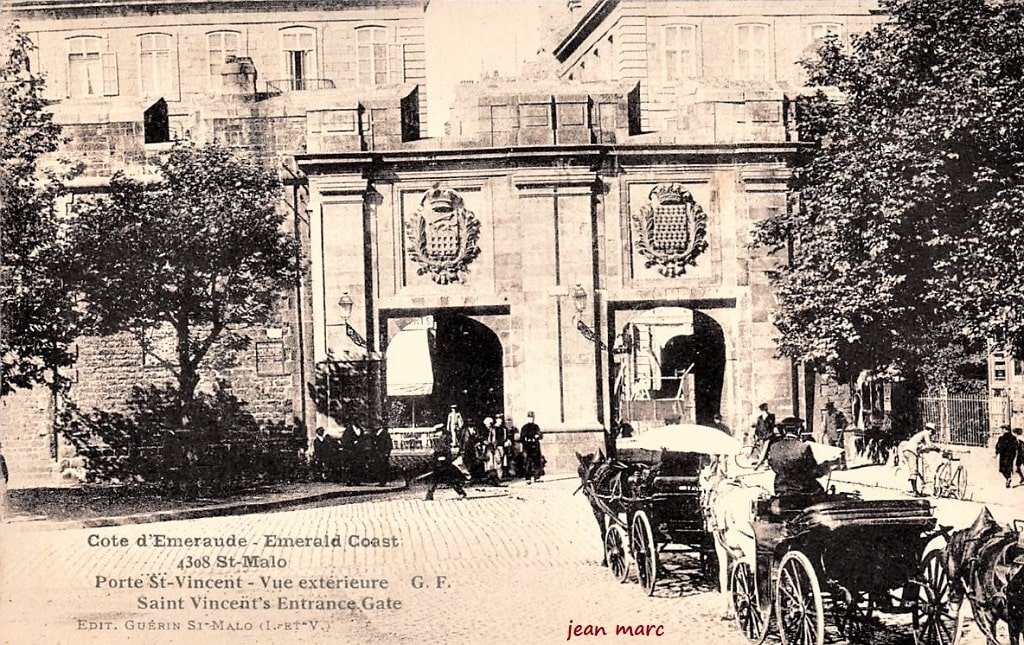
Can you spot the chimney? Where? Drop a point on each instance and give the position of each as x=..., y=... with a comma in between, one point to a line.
x=238, y=77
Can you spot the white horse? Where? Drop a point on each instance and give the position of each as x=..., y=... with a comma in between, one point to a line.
x=728, y=506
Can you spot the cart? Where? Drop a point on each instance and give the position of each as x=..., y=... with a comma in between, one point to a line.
x=845, y=559
x=651, y=507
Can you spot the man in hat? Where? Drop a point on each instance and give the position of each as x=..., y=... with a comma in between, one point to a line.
x=533, y=459
x=910, y=452
x=501, y=440
x=1006, y=450
x=764, y=432
x=796, y=470
x=454, y=426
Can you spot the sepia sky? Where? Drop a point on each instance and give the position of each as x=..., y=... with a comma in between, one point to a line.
x=467, y=38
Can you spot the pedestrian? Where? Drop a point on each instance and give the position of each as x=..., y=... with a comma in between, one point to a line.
x=718, y=423
x=455, y=426
x=1019, y=432
x=353, y=454
x=444, y=471
x=502, y=442
x=764, y=432
x=382, y=446
x=325, y=456
x=533, y=456
x=834, y=423
x=473, y=453
x=1008, y=451
x=3, y=486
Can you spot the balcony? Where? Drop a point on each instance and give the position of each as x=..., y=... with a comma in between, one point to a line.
x=299, y=85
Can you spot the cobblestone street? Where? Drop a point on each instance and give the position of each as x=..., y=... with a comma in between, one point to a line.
x=518, y=564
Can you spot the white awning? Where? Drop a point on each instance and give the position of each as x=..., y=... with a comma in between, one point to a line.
x=410, y=372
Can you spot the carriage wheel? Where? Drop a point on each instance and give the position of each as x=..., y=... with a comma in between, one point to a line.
x=615, y=552
x=798, y=605
x=853, y=616
x=934, y=614
x=752, y=621
x=959, y=485
x=644, y=553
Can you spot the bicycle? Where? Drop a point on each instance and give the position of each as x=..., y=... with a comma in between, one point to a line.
x=950, y=477
x=752, y=445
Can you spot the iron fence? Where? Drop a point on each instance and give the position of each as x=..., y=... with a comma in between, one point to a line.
x=965, y=420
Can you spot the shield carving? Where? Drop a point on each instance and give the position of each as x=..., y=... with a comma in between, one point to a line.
x=670, y=230
x=442, y=236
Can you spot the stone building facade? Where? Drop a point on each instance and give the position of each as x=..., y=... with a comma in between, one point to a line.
x=576, y=248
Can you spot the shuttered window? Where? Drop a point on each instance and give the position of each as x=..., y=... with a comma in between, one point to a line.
x=85, y=67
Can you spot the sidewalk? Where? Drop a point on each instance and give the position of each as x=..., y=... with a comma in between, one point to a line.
x=44, y=509
x=984, y=483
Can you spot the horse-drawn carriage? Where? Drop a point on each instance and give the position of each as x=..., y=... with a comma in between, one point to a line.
x=847, y=556
x=648, y=501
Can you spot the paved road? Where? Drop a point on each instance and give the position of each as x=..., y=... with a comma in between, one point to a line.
x=517, y=565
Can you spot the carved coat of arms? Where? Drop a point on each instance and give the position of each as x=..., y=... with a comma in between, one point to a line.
x=442, y=236
x=670, y=229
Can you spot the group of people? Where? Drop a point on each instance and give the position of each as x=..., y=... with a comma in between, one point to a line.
x=1010, y=452
x=357, y=457
x=490, y=452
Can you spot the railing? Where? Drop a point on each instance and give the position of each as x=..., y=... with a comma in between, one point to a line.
x=299, y=85
x=964, y=420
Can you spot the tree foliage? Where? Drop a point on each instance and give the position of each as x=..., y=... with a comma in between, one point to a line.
x=907, y=234
x=37, y=313
x=200, y=251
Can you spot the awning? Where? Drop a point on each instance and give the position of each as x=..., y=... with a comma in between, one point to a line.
x=409, y=371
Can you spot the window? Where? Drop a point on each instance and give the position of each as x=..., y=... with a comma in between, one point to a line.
x=752, y=52
x=680, y=52
x=373, y=55
x=820, y=30
x=85, y=67
x=220, y=45
x=155, y=75
x=999, y=366
x=299, y=57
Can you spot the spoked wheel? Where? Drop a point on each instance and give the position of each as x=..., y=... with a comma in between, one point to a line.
x=798, y=605
x=943, y=479
x=644, y=554
x=615, y=552
x=752, y=621
x=853, y=616
x=959, y=484
x=935, y=612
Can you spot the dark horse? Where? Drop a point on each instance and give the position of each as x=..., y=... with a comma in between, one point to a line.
x=985, y=561
x=602, y=480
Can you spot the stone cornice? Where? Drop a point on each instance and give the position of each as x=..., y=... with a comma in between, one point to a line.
x=127, y=7
x=568, y=161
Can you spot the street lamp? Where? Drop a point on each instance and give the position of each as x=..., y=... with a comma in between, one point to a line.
x=579, y=298
x=345, y=304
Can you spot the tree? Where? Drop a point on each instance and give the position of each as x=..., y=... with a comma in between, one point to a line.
x=906, y=236
x=201, y=252
x=38, y=317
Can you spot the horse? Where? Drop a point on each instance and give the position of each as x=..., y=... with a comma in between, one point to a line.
x=601, y=476
x=985, y=562
x=728, y=507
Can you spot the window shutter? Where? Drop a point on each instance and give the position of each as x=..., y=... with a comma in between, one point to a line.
x=109, y=74
x=396, y=63
x=67, y=76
